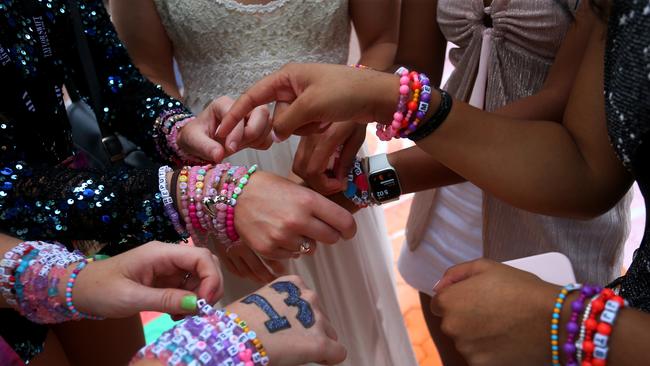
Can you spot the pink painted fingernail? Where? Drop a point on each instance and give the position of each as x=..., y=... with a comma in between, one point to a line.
x=435, y=287
x=233, y=146
x=275, y=137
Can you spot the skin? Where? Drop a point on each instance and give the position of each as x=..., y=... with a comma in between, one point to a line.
x=293, y=346
x=139, y=26
x=377, y=26
x=518, y=161
x=145, y=278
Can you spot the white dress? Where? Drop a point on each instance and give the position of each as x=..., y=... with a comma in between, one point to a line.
x=222, y=47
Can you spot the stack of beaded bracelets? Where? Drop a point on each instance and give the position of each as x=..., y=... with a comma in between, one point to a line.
x=408, y=115
x=165, y=133
x=204, y=206
x=30, y=274
x=214, y=337
x=586, y=343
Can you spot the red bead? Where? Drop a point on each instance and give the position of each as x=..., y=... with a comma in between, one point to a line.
x=597, y=306
x=416, y=85
x=588, y=347
x=619, y=300
x=412, y=106
x=604, y=329
x=608, y=293
x=591, y=324
x=598, y=362
x=586, y=363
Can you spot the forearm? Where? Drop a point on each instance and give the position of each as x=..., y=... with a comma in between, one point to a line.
x=380, y=55
x=533, y=165
x=419, y=171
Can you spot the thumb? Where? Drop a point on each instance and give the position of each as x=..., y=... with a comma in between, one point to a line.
x=167, y=300
x=462, y=272
x=201, y=145
x=301, y=112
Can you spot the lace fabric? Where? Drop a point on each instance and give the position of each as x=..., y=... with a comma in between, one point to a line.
x=222, y=46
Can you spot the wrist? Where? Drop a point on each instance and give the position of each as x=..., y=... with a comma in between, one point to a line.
x=387, y=98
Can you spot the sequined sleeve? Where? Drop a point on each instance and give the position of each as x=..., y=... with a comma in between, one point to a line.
x=119, y=207
x=132, y=104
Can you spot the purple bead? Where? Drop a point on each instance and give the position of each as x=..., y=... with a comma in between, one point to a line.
x=577, y=306
x=571, y=364
x=419, y=115
x=425, y=97
x=572, y=328
x=569, y=348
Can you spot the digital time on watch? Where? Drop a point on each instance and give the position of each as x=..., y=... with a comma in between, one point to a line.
x=382, y=179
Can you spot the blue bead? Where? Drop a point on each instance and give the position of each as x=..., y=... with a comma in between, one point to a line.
x=88, y=192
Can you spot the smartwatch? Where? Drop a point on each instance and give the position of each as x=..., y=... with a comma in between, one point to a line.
x=382, y=179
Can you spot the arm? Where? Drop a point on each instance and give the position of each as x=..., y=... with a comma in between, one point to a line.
x=422, y=46
x=144, y=35
x=419, y=170
x=522, y=163
x=377, y=26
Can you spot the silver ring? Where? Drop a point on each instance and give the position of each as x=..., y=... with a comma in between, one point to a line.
x=306, y=246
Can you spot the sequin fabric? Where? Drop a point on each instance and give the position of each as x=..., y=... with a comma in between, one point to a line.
x=627, y=102
x=40, y=197
x=44, y=194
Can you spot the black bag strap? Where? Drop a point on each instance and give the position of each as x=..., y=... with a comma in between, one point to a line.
x=87, y=63
x=110, y=141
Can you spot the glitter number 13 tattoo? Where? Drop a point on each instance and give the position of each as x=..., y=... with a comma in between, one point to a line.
x=305, y=315
x=276, y=322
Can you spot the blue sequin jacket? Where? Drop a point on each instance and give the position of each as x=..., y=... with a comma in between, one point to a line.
x=41, y=196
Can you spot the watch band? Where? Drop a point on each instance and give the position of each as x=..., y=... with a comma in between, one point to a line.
x=378, y=162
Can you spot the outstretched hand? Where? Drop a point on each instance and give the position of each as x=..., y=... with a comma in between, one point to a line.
x=311, y=96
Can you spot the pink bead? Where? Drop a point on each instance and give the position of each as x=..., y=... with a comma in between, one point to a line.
x=404, y=80
x=404, y=89
x=229, y=222
x=396, y=124
x=398, y=116
x=405, y=72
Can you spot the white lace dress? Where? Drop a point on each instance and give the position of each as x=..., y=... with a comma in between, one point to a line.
x=222, y=47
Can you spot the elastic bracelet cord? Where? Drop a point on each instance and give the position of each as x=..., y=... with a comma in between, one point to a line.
x=68, y=292
x=436, y=120
x=168, y=201
x=573, y=325
x=555, y=322
x=214, y=337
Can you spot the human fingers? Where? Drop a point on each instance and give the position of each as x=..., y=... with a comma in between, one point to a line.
x=334, y=215
x=462, y=272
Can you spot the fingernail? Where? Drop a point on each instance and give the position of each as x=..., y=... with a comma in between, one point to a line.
x=323, y=125
x=275, y=137
x=233, y=146
x=435, y=287
x=189, y=302
x=216, y=132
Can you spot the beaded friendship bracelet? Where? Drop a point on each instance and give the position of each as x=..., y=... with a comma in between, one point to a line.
x=555, y=322
x=213, y=338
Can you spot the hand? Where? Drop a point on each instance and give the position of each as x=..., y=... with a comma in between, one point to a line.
x=496, y=315
x=198, y=138
x=243, y=262
x=296, y=345
x=314, y=152
x=148, y=278
x=317, y=94
x=274, y=216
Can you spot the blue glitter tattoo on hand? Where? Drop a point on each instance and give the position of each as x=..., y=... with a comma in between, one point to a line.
x=276, y=322
x=305, y=313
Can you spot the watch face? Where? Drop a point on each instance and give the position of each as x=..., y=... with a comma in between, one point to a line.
x=385, y=186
